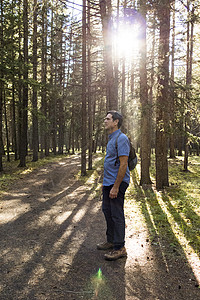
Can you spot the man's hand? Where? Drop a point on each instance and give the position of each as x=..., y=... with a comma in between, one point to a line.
x=121, y=173
x=114, y=192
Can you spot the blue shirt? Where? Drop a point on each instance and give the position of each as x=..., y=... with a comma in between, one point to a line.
x=110, y=169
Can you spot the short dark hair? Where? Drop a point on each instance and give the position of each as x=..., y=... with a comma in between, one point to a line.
x=116, y=116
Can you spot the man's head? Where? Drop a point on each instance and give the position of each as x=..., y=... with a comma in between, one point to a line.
x=113, y=120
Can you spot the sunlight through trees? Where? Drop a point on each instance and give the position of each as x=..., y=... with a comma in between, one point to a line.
x=65, y=63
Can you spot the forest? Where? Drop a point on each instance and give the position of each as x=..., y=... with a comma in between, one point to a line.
x=64, y=64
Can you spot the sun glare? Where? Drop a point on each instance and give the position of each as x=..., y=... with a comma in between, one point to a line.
x=126, y=42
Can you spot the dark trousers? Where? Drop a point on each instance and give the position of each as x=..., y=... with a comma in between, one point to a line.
x=113, y=210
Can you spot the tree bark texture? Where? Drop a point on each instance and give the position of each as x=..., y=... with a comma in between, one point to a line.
x=61, y=121
x=145, y=105
x=35, y=141
x=172, y=95
x=6, y=125
x=162, y=109
x=105, y=10
x=52, y=106
x=90, y=119
x=44, y=101
x=24, y=125
x=84, y=100
x=190, y=32
x=14, y=127
x=1, y=89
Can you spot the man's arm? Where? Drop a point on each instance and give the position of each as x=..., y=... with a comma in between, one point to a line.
x=121, y=173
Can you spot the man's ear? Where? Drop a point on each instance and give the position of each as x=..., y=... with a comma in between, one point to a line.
x=116, y=121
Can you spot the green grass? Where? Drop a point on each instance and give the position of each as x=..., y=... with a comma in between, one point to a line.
x=173, y=215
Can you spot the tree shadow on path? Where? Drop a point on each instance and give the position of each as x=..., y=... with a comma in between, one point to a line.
x=48, y=250
x=172, y=277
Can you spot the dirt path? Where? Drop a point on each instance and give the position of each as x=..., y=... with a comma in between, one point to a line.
x=50, y=224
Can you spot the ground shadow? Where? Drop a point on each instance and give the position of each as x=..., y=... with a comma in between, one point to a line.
x=49, y=252
x=192, y=226
x=173, y=277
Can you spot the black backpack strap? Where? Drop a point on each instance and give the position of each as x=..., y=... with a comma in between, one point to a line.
x=116, y=147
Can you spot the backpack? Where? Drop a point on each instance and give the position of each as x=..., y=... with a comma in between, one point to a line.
x=132, y=158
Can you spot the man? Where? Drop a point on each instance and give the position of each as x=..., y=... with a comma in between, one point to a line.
x=115, y=182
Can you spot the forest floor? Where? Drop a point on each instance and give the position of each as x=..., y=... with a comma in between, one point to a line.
x=50, y=223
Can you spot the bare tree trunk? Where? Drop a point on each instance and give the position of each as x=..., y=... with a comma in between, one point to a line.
x=44, y=105
x=116, y=62
x=123, y=106
x=172, y=98
x=61, y=127
x=61, y=121
x=84, y=83
x=72, y=130
x=90, y=120
x=24, y=128
x=162, y=109
x=145, y=106
x=1, y=88
x=105, y=10
x=190, y=33
x=20, y=82
x=152, y=79
x=6, y=125
x=52, y=105
x=180, y=137
x=1, y=126
x=14, y=131
x=34, y=97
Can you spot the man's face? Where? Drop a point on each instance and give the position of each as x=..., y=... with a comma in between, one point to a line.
x=110, y=125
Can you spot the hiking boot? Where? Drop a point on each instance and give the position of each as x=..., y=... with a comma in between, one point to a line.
x=115, y=254
x=105, y=246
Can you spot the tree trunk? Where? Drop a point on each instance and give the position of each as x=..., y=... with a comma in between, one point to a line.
x=52, y=106
x=106, y=17
x=35, y=141
x=116, y=62
x=152, y=80
x=61, y=126
x=6, y=125
x=90, y=121
x=14, y=133
x=162, y=109
x=180, y=137
x=172, y=96
x=1, y=88
x=14, y=130
x=72, y=129
x=20, y=83
x=1, y=125
x=145, y=105
x=188, y=81
x=84, y=82
x=44, y=122
x=24, y=125
x=123, y=106
x=61, y=122
x=123, y=90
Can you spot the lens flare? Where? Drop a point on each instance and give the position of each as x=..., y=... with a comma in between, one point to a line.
x=98, y=287
x=99, y=274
